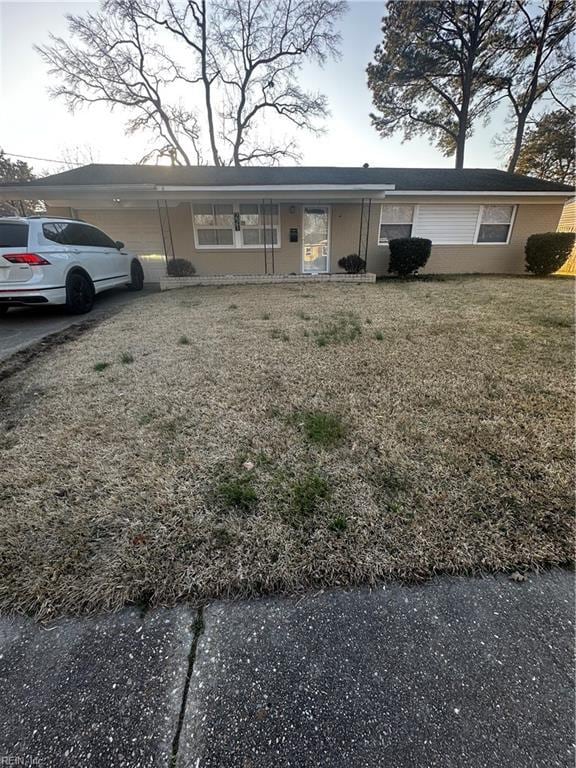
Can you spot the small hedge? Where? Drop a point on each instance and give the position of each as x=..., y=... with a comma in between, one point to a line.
x=352, y=264
x=547, y=252
x=180, y=268
x=408, y=255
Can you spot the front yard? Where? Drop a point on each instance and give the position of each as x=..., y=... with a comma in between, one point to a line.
x=246, y=439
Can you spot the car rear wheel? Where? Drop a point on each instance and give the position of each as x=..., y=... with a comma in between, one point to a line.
x=79, y=293
x=136, y=276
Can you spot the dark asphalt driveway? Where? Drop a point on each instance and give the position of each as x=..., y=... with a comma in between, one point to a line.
x=21, y=327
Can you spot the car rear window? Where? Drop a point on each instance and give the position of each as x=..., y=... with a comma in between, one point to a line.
x=13, y=235
x=73, y=233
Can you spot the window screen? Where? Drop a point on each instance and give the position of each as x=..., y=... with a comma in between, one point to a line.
x=395, y=221
x=236, y=225
x=495, y=221
x=214, y=224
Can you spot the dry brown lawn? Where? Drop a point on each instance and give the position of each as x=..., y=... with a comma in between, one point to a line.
x=249, y=439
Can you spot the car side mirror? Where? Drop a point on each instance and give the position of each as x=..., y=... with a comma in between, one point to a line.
x=119, y=244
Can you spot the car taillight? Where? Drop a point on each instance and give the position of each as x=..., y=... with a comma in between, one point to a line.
x=33, y=259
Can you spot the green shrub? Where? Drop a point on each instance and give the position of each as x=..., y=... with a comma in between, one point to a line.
x=408, y=255
x=352, y=264
x=180, y=268
x=547, y=252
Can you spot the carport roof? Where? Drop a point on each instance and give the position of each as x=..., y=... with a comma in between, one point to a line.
x=399, y=180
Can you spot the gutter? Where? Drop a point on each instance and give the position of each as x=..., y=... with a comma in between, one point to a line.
x=155, y=191
x=256, y=188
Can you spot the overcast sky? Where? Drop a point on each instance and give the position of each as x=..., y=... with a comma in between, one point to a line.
x=33, y=124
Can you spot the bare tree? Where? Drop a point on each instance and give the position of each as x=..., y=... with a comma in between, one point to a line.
x=261, y=46
x=150, y=57
x=541, y=60
x=116, y=60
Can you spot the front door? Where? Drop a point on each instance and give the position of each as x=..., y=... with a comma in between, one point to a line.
x=316, y=239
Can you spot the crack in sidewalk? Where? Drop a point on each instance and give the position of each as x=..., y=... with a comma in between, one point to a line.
x=197, y=630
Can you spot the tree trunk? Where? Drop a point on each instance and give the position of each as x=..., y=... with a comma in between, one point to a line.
x=518, y=139
x=460, y=146
x=462, y=125
x=207, y=90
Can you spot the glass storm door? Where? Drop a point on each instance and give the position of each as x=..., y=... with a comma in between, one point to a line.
x=316, y=239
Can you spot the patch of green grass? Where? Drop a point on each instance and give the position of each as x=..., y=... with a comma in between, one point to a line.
x=390, y=481
x=321, y=428
x=184, y=340
x=556, y=322
x=276, y=333
x=302, y=315
x=237, y=492
x=338, y=524
x=368, y=321
x=307, y=494
x=101, y=366
x=265, y=316
x=126, y=358
x=518, y=344
x=379, y=336
x=169, y=428
x=222, y=537
x=233, y=306
x=341, y=329
x=146, y=418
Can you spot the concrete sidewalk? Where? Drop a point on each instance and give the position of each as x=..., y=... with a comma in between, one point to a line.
x=456, y=672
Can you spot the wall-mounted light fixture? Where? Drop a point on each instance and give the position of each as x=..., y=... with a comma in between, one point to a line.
x=292, y=209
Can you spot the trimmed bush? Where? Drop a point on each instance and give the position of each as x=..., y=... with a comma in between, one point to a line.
x=547, y=252
x=408, y=255
x=180, y=268
x=353, y=264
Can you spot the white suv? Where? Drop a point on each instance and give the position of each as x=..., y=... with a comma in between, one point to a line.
x=46, y=260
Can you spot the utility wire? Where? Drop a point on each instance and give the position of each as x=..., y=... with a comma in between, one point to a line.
x=43, y=159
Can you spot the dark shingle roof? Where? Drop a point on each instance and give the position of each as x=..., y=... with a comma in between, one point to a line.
x=404, y=179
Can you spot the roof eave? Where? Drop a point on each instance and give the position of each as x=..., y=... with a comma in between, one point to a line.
x=290, y=192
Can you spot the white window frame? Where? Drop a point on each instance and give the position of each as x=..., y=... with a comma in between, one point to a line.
x=237, y=240
x=200, y=247
x=476, y=231
x=414, y=214
x=479, y=223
